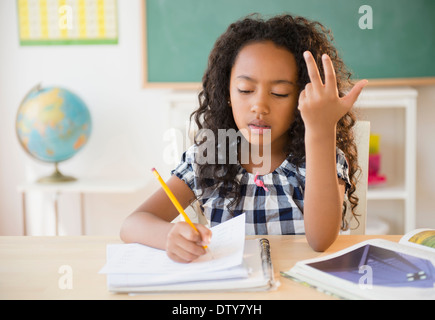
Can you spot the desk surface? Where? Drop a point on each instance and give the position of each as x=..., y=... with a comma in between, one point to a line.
x=31, y=268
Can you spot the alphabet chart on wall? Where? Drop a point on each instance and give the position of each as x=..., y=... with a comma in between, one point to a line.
x=59, y=22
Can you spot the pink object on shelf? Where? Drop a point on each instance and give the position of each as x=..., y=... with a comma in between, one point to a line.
x=374, y=163
x=375, y=179
x=374, y=166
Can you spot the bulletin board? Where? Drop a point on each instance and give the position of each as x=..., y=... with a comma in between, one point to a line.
x=399, y=50
x=67, y=22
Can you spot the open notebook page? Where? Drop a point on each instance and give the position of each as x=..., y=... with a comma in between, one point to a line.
x=224, y=252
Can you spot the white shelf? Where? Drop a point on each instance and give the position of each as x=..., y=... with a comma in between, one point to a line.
x=81, y=186
x=386, y=98
x=87, y=185
x=393, y=114
x=387, y=193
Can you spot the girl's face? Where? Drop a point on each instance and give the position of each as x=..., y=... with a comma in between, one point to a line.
x=264, y=92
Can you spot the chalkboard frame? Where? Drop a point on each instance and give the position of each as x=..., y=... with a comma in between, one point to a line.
x=378, y=82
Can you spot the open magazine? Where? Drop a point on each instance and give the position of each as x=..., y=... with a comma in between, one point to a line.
x=375, y=269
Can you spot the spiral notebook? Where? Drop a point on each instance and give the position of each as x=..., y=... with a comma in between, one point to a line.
x=231, y=264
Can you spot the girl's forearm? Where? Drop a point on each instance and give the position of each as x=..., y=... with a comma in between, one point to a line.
x=323, y=193
x=145, y=228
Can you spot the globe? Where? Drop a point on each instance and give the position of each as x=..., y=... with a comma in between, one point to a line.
x=52, y=125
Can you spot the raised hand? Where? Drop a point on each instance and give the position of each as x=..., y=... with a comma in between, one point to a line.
x=319, y=104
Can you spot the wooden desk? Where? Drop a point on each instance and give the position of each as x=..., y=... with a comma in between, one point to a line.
x=31, y=268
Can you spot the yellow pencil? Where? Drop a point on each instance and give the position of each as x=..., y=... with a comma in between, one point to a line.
x=174, y=200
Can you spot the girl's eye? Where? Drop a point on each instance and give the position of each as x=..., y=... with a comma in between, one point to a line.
x=280, y=95
x=245, y=91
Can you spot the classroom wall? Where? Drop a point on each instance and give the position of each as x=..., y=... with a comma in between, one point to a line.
x=129, y=124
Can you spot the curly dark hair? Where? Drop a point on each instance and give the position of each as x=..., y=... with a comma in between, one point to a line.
x=296, y=34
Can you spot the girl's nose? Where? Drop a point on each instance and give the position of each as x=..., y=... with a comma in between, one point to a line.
x=260, y=106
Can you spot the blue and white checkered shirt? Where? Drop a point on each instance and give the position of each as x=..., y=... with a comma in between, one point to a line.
x=276, y=211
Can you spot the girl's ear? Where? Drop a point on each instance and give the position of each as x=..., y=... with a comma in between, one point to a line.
x=229, y=103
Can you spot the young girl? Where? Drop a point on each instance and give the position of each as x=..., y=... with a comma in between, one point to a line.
x=280, y=83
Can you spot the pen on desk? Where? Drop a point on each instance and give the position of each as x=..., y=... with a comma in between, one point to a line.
x=174, y=200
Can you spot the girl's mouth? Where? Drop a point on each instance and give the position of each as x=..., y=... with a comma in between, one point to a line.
x=258, y=129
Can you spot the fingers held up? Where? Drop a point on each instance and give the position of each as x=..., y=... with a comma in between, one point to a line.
x=319, y=102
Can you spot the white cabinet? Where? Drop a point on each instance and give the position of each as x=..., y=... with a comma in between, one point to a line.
x=82, y=187
x=392, y=115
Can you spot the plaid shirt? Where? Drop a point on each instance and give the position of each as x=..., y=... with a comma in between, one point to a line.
x=276, y=211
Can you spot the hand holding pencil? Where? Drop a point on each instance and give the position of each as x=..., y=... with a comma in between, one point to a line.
x=186, y=241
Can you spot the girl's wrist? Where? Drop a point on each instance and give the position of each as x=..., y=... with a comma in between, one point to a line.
x=320, y=134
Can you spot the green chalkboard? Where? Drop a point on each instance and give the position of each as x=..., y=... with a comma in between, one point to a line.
x=179, y=34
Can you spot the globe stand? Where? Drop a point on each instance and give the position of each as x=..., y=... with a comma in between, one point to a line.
x=56, y=177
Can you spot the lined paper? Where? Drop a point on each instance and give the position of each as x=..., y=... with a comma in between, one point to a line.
x=225, y=251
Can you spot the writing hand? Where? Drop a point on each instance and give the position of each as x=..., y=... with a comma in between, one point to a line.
x=320, y=104
x=184, y=244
